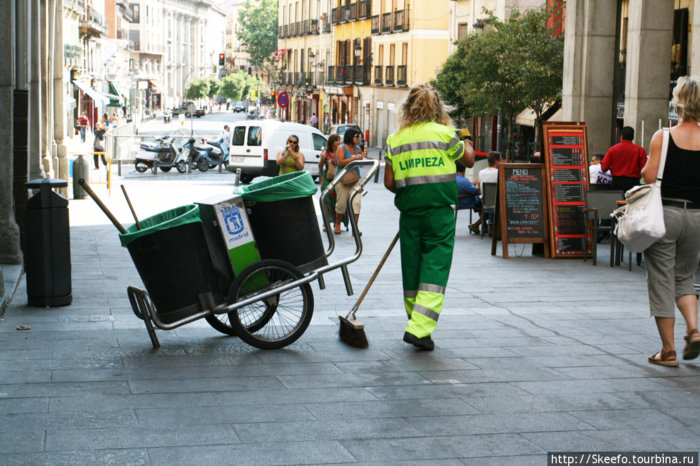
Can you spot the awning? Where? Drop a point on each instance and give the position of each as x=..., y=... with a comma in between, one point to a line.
x=116, y=98
x=98, y=97
x=527, y=117
x=155, y=85
x=277, y=54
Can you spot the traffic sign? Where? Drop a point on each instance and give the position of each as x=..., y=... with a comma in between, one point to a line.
x=254, y=94
x=283, y=99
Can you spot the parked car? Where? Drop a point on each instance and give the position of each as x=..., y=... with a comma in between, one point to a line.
x=239, y=107
x=255, y=144
x=341, y=129
x=188, y=109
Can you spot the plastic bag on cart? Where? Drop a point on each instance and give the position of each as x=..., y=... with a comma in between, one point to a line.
x=290, y=186
x=162, y=221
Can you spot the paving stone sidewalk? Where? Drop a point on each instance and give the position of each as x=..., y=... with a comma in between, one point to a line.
x=532, y=355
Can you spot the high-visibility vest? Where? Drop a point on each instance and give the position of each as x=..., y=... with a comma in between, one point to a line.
x=422, y=160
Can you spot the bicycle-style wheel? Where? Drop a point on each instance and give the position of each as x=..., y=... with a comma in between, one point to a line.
x=276, y=321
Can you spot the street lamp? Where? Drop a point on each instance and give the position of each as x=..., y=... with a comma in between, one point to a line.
x=312, y=62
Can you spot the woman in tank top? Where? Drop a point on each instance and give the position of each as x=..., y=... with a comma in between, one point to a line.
x=290, y=159
x=673, y=260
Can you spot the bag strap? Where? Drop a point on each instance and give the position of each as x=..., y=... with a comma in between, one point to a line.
x=662, y=161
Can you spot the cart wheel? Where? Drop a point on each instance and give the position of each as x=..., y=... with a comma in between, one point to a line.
x=221, y=323
x=279, y=320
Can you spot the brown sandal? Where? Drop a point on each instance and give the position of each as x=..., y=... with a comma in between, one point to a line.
x=662, y=358
x=692, y=346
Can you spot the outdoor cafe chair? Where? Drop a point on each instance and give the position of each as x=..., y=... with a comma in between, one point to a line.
x=488, y=209
x=600, y=204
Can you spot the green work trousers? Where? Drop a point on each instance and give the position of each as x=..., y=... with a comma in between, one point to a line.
x=427, y=243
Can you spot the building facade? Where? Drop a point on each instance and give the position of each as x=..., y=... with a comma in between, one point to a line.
x=304, y=50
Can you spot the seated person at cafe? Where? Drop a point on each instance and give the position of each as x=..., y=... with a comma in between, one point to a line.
x=490, y=174
x=467, y=196
x=596, y=175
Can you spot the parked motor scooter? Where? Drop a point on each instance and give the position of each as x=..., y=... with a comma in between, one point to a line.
x=211, y=153
x=161, y=154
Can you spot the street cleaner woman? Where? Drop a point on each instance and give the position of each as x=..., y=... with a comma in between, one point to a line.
x=421, y=171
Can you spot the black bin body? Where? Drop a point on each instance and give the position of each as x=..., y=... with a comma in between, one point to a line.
x=288, y=230
x=47, y=245
x=176, y=268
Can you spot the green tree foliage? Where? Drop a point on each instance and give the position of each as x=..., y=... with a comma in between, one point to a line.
x=214, y=85
x=508, y=67
x=258, y=30
x=198, y=88
x=237, y=86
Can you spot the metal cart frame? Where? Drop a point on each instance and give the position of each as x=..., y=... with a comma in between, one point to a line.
x=145, y=310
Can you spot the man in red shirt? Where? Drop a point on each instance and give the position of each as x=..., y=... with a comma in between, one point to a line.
x=625, y=161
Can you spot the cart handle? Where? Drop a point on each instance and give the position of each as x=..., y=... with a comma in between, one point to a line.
x=357, y=190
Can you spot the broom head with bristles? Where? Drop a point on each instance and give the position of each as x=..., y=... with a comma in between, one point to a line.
x=352, y=332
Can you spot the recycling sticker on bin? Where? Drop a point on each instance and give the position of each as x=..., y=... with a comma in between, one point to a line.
x=234, y=227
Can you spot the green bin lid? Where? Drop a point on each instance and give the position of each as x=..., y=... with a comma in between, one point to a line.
x=290, y=186
x=162, y=221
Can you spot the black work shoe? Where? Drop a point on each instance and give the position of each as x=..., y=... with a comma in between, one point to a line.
x=425, y=343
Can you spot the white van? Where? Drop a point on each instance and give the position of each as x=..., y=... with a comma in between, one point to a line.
x=255, y=144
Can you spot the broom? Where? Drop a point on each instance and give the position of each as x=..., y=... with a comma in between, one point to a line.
x=352, y=331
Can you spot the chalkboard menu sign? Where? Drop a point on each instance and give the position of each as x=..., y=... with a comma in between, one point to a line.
x=520, y=206
x=566, y=161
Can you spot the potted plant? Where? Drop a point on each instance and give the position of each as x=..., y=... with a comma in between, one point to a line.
x=324, y=16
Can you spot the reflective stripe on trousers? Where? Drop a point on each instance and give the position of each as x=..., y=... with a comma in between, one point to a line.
x=427, y=243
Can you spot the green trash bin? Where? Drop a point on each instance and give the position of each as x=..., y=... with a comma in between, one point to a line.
x=172, y=258
x=283, y=219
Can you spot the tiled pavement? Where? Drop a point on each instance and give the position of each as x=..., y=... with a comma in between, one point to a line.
x=532, y=355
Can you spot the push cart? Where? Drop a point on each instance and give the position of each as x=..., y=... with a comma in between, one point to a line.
x=269, y=304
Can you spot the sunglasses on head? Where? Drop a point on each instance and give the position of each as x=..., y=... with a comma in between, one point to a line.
x=294, y=142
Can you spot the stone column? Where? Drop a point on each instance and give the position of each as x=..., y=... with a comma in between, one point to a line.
x=9, y=232
x=647, y=85
x=36, y=142
x=59, y=114
x=695, y=41
x=46, y=87
x=589, y=65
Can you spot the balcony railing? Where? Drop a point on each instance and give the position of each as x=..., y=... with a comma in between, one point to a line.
x=386, y=22
x=285, y=30
x=77, y=6
x=401, y=75
x=330, y=79
x=389, y=75
x=315, y=27
x=400, y=20
x=306, y=26
x=375, y=24
x=378, y=75
x=326, y=26
x=335, y=16
x=344, y=74
x=353, y=12
x=365, y=9
x=279, y=32
x=320, y=79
